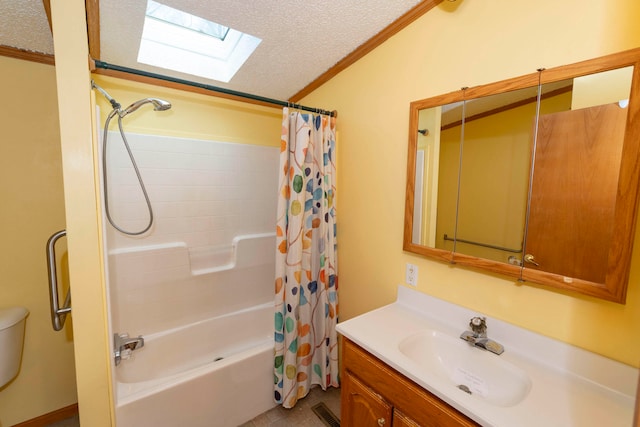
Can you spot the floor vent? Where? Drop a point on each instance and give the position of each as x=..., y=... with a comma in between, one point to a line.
x=325, y=415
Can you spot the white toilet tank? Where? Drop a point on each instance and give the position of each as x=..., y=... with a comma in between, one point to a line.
x=12, y=325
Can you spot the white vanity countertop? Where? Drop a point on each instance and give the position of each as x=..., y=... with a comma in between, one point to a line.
x=569, y=386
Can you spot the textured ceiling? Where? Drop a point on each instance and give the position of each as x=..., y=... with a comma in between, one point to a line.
x=300, y=39
x=23, y=24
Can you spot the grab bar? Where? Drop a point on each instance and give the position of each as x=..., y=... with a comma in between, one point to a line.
x=58, y=315
x=485, y=245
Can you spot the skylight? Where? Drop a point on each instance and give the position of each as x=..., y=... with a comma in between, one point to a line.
x=182, y=42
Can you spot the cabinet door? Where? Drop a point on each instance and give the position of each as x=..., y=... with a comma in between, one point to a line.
x=578, y=153
x=361, y=406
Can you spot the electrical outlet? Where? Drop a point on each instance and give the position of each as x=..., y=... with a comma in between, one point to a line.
x=411, y=277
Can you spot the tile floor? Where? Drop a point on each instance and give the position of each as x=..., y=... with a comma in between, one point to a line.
x=300, y=416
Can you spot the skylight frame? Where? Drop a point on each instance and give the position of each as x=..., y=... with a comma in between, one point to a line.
x=173, y=46
x=181, y=19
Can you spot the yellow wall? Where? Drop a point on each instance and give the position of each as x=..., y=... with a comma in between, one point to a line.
x=466, y=43
x=32, y=210
x=191, y=115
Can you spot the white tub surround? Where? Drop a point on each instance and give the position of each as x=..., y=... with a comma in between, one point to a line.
x=155, y=288
x=213, y=372
x=198, y=286
x=568, y=385
x=207, y=321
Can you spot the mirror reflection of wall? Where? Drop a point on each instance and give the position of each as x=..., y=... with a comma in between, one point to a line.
x=602, y=88
x=427, y=169
x=437, y=163
x=451, y=135
x=495, y=173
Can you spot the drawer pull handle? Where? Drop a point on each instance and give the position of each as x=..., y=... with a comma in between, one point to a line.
x=381, y=421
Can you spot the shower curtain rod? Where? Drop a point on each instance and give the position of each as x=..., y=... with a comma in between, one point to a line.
x=105, y=66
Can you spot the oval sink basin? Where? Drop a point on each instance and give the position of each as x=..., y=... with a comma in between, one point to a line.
x=473, y=370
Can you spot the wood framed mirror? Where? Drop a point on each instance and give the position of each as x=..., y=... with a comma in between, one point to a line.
x=535, y=177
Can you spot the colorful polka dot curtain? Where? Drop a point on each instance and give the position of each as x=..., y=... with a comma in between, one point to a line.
x=306, y=284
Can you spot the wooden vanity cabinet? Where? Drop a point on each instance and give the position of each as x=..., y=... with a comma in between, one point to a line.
x=364, y=407
x=373, y=394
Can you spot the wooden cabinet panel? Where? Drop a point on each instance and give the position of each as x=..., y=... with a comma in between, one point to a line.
x=401, y=420
x=362, y=406
x=412, y=405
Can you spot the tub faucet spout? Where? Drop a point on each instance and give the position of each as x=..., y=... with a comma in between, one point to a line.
x=123, y=346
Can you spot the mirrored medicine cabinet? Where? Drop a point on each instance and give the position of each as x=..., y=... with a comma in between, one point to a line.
x=536, y=177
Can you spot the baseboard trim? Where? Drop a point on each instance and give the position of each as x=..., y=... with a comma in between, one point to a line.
x=51, y=417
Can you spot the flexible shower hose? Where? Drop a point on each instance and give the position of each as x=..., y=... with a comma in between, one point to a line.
x=135, y=168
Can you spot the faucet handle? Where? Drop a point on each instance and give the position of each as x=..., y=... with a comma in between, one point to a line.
x=478, y=325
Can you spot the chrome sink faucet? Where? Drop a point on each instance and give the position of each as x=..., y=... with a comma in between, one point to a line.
x=477, y=336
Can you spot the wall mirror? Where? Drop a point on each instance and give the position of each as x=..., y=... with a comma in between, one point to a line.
x=534, y=177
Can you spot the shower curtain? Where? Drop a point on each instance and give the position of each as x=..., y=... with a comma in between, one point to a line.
x=306, y=346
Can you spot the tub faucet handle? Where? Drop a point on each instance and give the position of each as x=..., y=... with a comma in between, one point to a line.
x=123, y=346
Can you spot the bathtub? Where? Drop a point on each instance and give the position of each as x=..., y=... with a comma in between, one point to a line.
x=214, y=372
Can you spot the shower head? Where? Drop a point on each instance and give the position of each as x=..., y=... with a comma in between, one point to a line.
x=158, y=105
